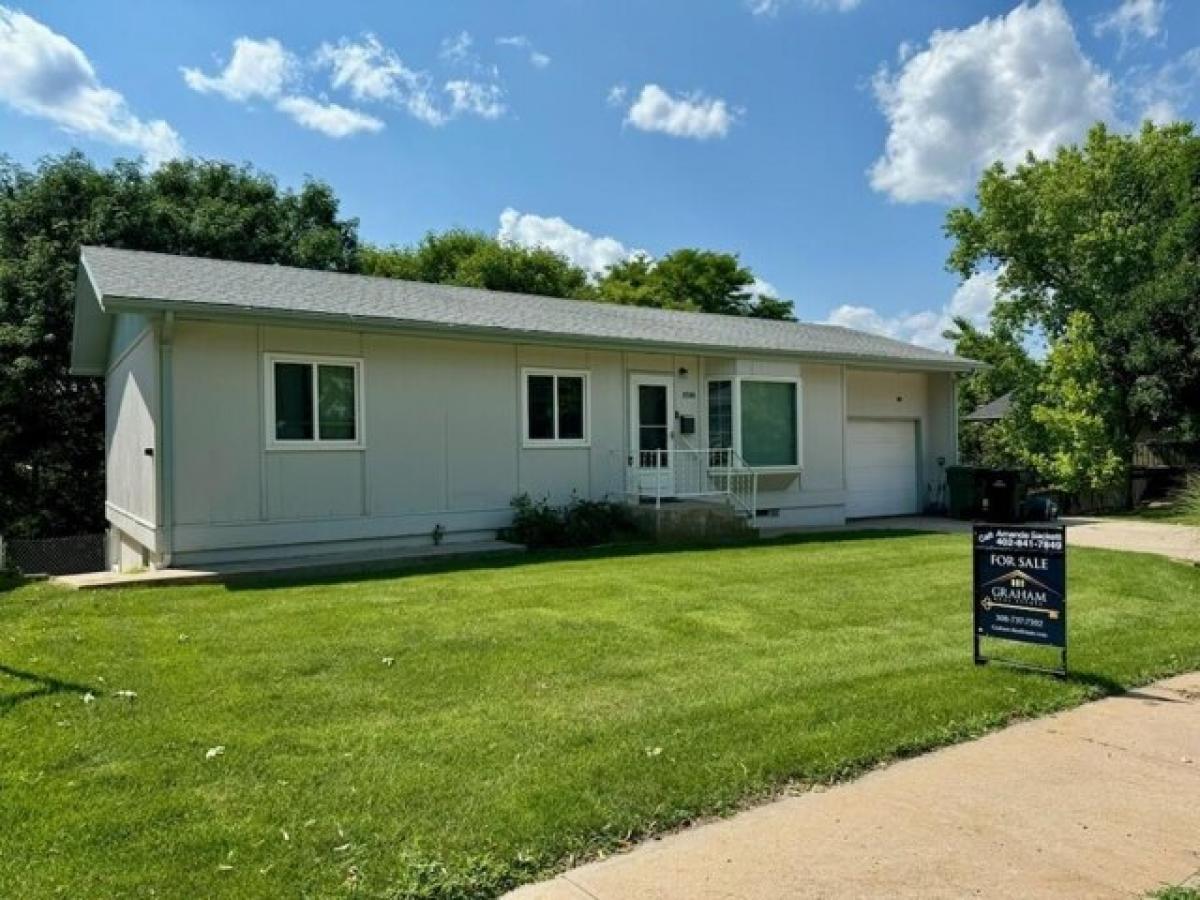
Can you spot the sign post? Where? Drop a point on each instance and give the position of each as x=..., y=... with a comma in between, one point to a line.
x=1020, y=589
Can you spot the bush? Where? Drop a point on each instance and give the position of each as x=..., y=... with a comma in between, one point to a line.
x=581, y=523
x=1189, y=500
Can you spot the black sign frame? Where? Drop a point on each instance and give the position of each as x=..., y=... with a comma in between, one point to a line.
x=1021, y=570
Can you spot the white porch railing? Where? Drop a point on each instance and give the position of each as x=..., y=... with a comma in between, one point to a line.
x=690, y=473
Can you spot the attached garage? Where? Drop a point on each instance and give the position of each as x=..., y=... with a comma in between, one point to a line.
x=881, y=468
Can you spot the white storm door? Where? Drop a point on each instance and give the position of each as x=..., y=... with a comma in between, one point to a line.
x=651, y=420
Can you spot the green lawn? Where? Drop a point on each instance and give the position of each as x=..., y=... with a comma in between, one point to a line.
x=533, y=710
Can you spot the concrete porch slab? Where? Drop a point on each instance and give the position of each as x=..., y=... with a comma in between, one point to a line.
x=326, y=564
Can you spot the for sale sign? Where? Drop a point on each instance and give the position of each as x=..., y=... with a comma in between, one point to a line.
x=1020, y=586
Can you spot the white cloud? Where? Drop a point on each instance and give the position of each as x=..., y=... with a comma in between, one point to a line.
x=687, y=115
x=330, y=119
x=257, y=69
x=1167, y=93
x=773, y=7
x=616, y=95
x=595, y=254
x=1134, y=20
x=44, y=74
x=993, y=91
x=374, y=73
x=521, y=42
x=475, y=98
x=457, y=49
x=973, y=300
x=762, y=288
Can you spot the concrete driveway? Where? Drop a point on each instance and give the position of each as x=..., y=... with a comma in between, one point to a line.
x=1096, y=802
x=1163, y=539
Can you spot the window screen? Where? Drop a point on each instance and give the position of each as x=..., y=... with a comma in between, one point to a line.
x=541, y=407
x=769, y=423
x=720, y=414
x=336, y=407
x=570, y=408
x=293, y=402
x=555, y=407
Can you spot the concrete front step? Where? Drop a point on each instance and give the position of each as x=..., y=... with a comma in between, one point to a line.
x=686, y=520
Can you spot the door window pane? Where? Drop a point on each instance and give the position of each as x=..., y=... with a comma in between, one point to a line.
x=769, y=423
x=570, y=408
x=293, y=402
x=336, y=407
x=720, y=414
x=652, y=404
x=540, y=407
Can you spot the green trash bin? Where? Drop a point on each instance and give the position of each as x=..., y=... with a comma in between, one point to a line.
x=964, y=498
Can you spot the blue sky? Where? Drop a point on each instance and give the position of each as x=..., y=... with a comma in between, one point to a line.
x=823, y=140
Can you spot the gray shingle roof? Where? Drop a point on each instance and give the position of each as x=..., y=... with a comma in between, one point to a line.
x=991, y=412
x=133, y=279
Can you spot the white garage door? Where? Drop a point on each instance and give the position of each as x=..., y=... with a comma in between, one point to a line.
x=881, y=468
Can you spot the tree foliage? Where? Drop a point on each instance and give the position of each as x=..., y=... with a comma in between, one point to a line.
x=475, y=259
x=1009, y=370
x=1110, y=229
x=51, y=423
x=689, y=279
x=1074, y=442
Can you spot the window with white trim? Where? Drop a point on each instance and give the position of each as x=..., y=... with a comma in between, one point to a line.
x=314, y=401
x=759, y=417
x=555, y=408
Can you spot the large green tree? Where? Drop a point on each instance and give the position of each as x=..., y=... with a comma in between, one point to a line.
x=51, y=423
x=690, y=279
x=1009, y=370
x=1109, y=229
x=1072, y=440
x=475, y=259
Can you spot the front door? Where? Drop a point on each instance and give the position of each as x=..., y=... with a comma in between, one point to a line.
x=652, y=416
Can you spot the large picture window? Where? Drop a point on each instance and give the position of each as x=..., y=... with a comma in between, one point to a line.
x=758, y=417
x=314, y=402
x=555, y=408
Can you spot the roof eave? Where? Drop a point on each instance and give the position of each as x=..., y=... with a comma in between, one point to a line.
x=378, y=323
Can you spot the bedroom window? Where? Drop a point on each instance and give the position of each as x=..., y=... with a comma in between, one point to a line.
x=759, y=417
x=555, y=408
x=314, y=402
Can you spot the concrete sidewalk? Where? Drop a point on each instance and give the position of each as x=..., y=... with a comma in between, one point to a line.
x=1100, y=801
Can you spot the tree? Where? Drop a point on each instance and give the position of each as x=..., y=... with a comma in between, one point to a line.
x=475, y=259
x=51, y=423
x=689, y=279
x=1112, y=230
x=1076, y=446
x=1010, y=370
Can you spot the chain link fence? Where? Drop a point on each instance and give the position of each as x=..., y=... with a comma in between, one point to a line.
x=53, y=556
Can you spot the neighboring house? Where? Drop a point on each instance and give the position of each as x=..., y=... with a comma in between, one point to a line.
x=258, y=411
x=994, y=411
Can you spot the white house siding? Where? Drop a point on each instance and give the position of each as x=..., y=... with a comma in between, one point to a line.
x=442, y=441
x=131, y=409
x=442, y=437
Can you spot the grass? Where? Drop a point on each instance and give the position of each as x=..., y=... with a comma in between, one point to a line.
x=1181, y=508
x=452, y=732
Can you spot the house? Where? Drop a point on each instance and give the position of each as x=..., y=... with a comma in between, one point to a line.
x=259, y=412
x=994, y=411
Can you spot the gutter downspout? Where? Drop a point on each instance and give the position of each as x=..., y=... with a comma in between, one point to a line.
x=166, y=425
